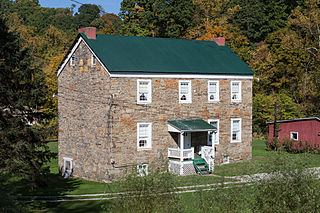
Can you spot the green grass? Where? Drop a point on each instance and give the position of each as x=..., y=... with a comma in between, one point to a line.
x=73, y=186
x=260, y=156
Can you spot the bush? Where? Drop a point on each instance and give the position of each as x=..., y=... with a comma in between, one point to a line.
x=288, y=188
x=292, y=146
x=151, y=193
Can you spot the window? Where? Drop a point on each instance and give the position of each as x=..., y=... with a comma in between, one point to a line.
x=213, y=91
x=142, y=169
x=235, y=91
x=294, y=136
x=185, y=92
x=67, y=167
x=215, y=123
x=144, y=136
x=226, y=159
x=144, y=91
x=73, y=61
x=93, y=60
x=236, y=130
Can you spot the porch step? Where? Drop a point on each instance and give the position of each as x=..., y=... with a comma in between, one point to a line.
x=201, y=165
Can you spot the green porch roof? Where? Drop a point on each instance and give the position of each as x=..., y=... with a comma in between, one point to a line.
x=196, y=125
x=165, y=55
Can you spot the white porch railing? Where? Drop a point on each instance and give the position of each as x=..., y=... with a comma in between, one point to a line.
x=175, y=153
x=207, y=153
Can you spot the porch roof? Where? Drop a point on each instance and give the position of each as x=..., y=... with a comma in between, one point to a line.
x=195, y=125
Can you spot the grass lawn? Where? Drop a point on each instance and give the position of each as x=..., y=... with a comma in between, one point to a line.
x=74, y=186
x=260, y=158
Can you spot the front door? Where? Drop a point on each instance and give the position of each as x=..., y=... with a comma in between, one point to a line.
x=187, y=140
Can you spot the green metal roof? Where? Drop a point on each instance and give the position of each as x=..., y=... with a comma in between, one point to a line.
x=164, y=55
x=196, y=125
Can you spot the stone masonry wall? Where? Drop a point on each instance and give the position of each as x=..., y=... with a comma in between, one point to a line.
x=89, y=98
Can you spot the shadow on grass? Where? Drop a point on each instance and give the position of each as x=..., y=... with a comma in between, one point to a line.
x=56, y=185
x=81, y=206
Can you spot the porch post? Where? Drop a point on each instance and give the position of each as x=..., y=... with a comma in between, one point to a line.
x=213, y=139
x=181, y=145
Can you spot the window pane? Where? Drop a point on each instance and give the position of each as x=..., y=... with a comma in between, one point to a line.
x=214, y=123
x=236, y=125
x=143, y=87
x=143, y=130
x=235, y=87
x=184, y=88
x=212, y=87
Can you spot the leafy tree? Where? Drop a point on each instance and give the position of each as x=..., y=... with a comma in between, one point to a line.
x=161, y=18
x=108, y=23
x=289, y=60
x=258, y=18
x=86, y=14
x=214, y=22
x=22, y=149
x=263, y=110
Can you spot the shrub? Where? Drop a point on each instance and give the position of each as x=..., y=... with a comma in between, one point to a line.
x=289, y=188
x=151, y=193
x=292, y=146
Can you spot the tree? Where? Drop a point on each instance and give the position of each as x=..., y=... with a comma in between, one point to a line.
x=214, y=22
x=289, y=60
x=258, y=18
x=23, y=151
x=161, y=18
x=87, y=13
x=108, y=23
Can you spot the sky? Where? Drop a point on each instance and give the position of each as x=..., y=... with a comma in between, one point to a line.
x=109, y=6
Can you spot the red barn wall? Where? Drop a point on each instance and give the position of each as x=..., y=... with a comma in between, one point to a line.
x=308, y=130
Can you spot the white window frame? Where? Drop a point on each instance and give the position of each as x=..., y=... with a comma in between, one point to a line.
x=240, y=131
x=142, y=169
x=93, y=60
x=291, y=136
x=149, y=95
x=72, y=61
x=217, y=98
x=65, y=159
x=148, y=136
x=217, y=134
x=189, y=95
x=239, y=99
x=226, y=159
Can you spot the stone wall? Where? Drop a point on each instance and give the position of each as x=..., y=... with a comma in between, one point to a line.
x=89, y=101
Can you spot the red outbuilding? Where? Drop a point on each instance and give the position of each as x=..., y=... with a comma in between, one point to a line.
x=302, y=129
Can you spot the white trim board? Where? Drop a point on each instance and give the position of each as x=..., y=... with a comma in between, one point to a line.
x=169, y=75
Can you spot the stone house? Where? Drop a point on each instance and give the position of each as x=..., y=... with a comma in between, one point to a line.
x=137, y=101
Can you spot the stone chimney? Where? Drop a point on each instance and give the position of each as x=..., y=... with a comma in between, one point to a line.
x=89, y=31
x=220, y=41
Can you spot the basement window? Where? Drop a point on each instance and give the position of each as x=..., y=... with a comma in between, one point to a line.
x=226, y=159
x=294, y=136
x=67, y=167
x=73, y=61
x=142, y=169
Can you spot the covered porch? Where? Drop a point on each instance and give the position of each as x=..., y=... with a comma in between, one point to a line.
x=191, y=157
